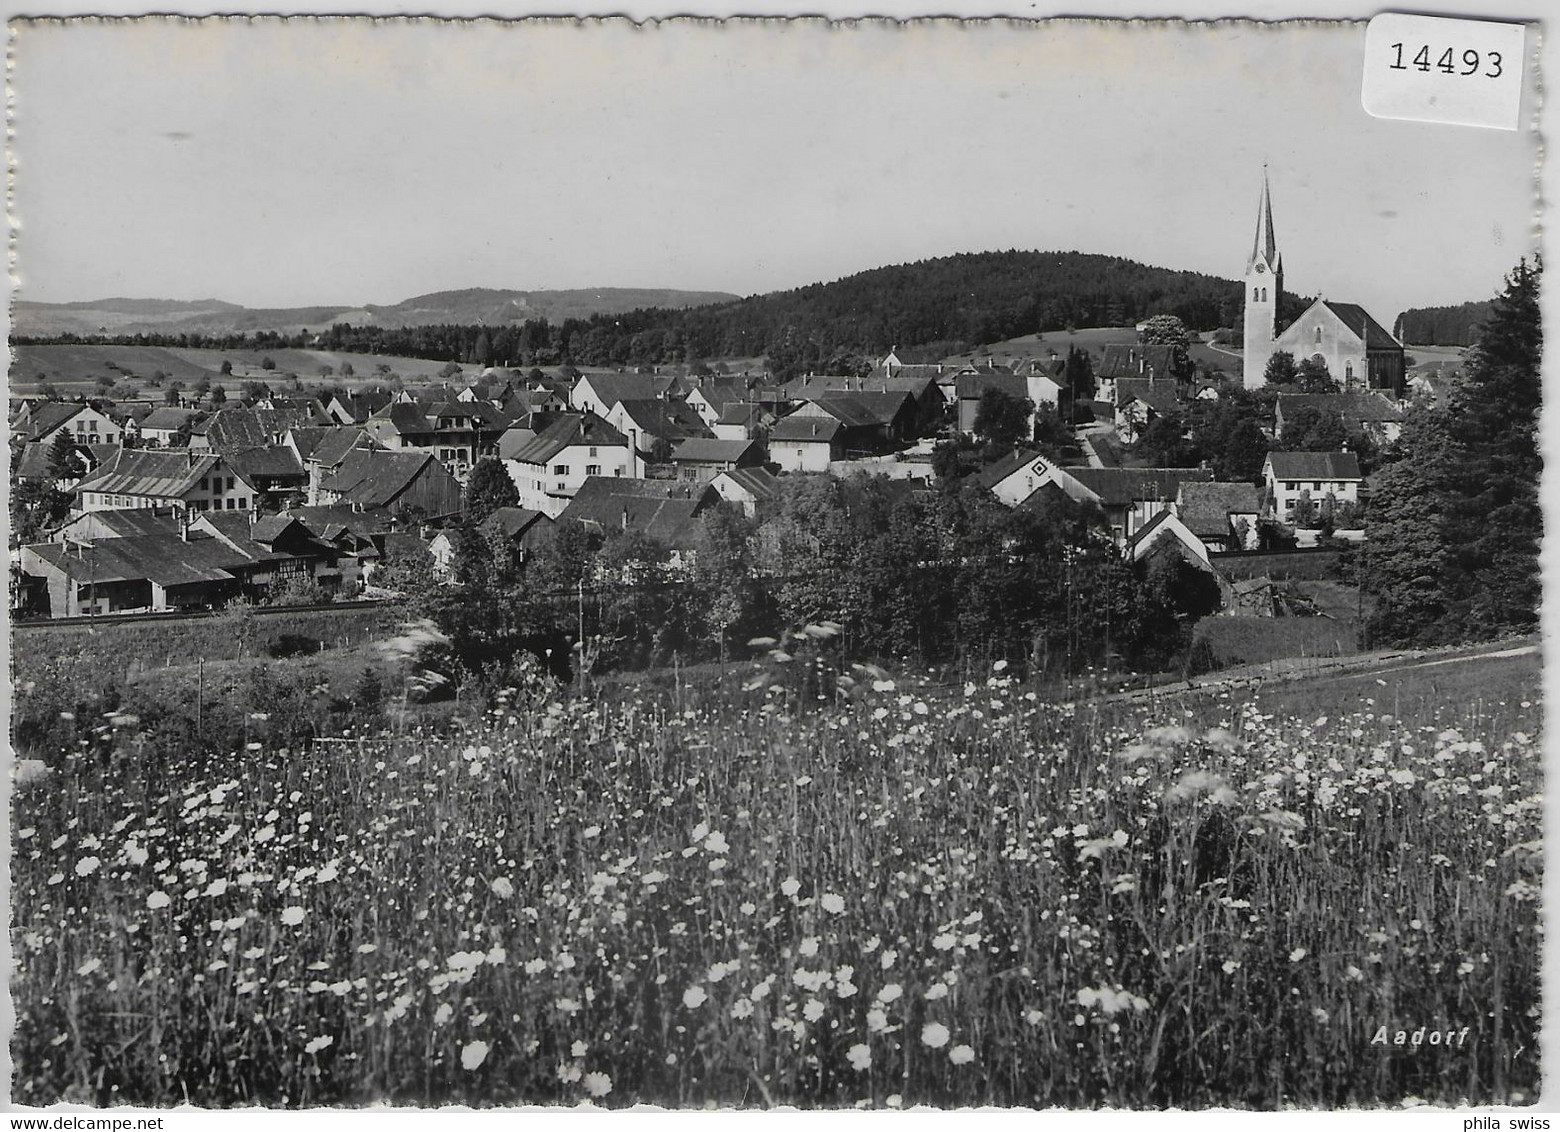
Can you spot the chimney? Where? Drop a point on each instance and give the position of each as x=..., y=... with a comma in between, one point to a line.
x=184, y=525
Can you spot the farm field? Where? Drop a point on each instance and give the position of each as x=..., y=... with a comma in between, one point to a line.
x=953, y=896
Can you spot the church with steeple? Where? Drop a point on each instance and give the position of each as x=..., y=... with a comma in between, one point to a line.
x=1358, y=351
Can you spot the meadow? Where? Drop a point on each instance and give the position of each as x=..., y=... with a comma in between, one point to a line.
x=880, y=895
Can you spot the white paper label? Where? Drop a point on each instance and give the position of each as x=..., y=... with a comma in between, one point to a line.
x=1432, y=69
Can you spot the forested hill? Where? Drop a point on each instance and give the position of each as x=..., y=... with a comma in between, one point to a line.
x=926, y=310
x=1443, y=326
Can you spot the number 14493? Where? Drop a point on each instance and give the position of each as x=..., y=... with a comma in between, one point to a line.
x=1485, y=63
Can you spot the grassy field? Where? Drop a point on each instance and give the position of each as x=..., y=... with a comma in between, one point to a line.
x=77, y=368
x=954, y=896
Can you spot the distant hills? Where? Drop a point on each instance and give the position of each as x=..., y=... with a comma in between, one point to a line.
x=485, y=306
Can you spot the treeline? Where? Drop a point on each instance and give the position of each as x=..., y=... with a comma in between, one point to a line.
x=908, y=577
x=1443, y=326
x=926, y=310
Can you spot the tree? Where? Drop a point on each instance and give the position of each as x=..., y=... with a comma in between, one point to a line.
x=1165, y=330
x=1454, y=524
x=300, y=589
x=62, y=457
x=488, y=488
x=218, y=395
x=1314, y=377
x=267, y=363
x=347, y=370
x=1079, y=375
x=1165, y=445
x=1313, y=430
x=1002, y=420
x=1280, y=368
x=227, y=368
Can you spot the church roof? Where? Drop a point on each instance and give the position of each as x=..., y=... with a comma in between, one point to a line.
x=1358, y=319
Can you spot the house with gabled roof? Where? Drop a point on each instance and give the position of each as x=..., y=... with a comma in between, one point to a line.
x=159, y=478
x=1369, y=413
x=1291, y=476
x=1014, y=477
x=278, y=476
x=1165, y=532
x=1139, y=401
x=711, y=395
x=747, y=488
x=806, y=443
x=654, y=427
x=550, y=468
x=230, y=429
x=702, y=459
x=1128, y=497
x=459, y=433
x=162, y=427
x=870, y=421
x=355, y=408
x=322, y=451
x=411, y=484
x=1222, y=515
x=43, y=420
x=599, y=393
x=741, y=420
x=1134, y=361
x=668, y=511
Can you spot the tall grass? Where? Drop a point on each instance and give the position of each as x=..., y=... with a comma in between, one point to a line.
x=959, y=897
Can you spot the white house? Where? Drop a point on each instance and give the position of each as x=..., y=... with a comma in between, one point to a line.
x=157, y=478
x=548, y=469
x=805, y=443
x=1314, y=475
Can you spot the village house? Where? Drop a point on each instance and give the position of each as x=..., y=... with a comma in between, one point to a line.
x=1222, y=515
x=355, y=408
x=550, y=468
x=1292, y=476
x=742, y=420
x=805, y=443
x=1368, y=413
x=39, y=422
x=408, y=484
x=158, y=478
x=1128, y=497
x=701, y=460
x=184, y=561
x=667, y=511
x=712, y=395
x=165, y=425
x=1139, y=401
x=458, y=433
x=599, y=393
x=228, y=430
x=34, y=460
x=870, y=423
x=654, y=427
x=279, y=477
x=1016, y=476
x=1133, y=361
x=1167, y=533
x=747, y=488
x=928, y=403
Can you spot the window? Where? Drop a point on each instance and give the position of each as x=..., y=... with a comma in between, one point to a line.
x=592, y=469
x=232, y=503
x=243, y=503
x=203, y=483
x=1318, y=335
x=593, y=453
x=230, y=483
x=1290, y=486
x=1316, y=487
x=560, y=469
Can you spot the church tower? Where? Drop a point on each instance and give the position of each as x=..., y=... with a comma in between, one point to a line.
x=1264, y=284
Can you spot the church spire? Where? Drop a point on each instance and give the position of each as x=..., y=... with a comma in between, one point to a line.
x=1264, y=247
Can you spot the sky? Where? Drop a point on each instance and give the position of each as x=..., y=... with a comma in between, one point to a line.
x=342, y=162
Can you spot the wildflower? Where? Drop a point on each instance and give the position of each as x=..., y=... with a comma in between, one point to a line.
x=443, y=1014
x=1230, y=966
x=934, y=1034
x=742, y=1008
x=87, y=866
x=324, y=1041
x=597, y=1084
x=157, y=900
x=813, y=1010
x=877, y=1020
x=1034, y=1017
x=89, y=966
x=859, y=1056
x=473, y=1055
x=569, y=1073
x=945, y=941
x=936, y=991
x=694, y=997
x=1297, y=954
x=808, y=947
x=961, y=1055
x=292, y=916
x=889, y=993
x=790, y=886
x=580, y=1048
x=832, y=903
x=216, y=887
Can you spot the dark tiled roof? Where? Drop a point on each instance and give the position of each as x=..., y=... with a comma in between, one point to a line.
x=709, y=451
x=1358, y=319
x=1122, y=486
x=739, y=413
x=758, y=482
x=376, y=478
x=994, y=473
x=796, y=429
x=1354, y=408
x=405, y=419
x=232, y=429
x=169, y=417
x=567, y=431
x=668, y=420
x=1130, y=360
x=1158, y=394
x=150, y=472
x=122, y=521
x=1206, y=507
x=862, y=409
x=268, y=461
x=665, y=510
x=1315, y=465
x=973, y=386
x=512, y=521
x=46, y=416
x=614, y=387
x=361, y=406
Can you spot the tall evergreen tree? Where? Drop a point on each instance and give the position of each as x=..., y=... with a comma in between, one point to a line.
x=488, y=489
x=1452, y=551
x=62, y=463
